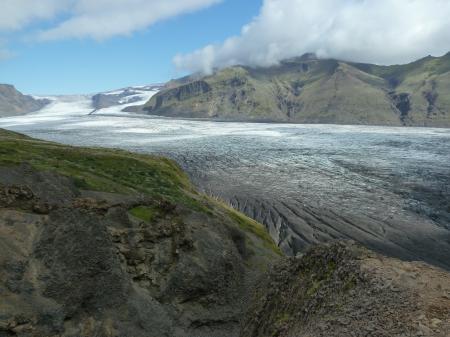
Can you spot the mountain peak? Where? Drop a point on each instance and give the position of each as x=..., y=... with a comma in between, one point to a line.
x=303, y=58
x=308, y=57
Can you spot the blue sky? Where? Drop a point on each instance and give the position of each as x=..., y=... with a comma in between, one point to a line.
x=87, y=46
x=84, y=65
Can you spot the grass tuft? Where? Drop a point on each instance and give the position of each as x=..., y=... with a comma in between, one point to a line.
x=145, y=213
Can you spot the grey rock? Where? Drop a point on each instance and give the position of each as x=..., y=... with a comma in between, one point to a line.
x=13, y=103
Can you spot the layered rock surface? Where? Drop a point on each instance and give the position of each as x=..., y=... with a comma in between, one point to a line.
x=341, y=289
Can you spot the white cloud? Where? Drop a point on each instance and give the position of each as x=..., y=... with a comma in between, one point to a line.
x=98, y=19
x=17, y=14
x=101, y=19
x=378, y=31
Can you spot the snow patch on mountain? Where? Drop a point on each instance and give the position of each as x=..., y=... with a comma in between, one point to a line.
x=113, y=102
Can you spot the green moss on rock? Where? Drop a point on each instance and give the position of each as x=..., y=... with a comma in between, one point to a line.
x=145, y=213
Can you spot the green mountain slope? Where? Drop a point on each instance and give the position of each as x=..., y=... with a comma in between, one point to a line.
x=311, y=90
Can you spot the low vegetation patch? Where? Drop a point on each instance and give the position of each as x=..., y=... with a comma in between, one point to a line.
x=145, y=213
x=117, y=171
x=103, y=170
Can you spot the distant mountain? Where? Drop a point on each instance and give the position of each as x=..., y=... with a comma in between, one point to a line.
x=311, y=90
x=13, y=102
x=127, y=98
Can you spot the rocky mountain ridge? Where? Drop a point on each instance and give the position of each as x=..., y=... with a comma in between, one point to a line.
x=13, y=102
x=312, y=90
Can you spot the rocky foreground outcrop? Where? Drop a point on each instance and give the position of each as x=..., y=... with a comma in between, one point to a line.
x=84, y=251
x=342, y=289
x=13, y=102
x=97, y=242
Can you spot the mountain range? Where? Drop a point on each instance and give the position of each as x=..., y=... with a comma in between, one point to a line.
x=305, y=89
x=312, y=90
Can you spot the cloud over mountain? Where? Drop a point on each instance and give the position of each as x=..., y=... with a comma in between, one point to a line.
x=382, y=31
